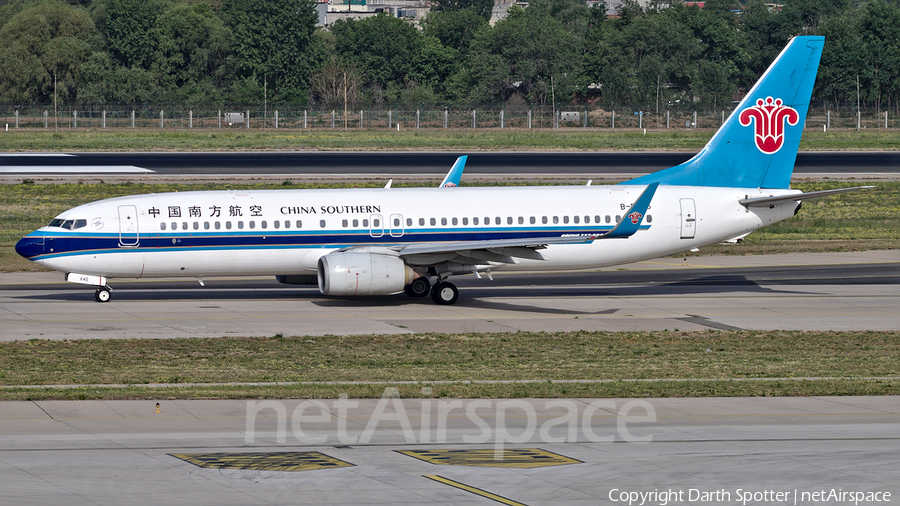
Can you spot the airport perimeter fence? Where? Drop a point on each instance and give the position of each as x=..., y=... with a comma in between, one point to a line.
x=406, y=117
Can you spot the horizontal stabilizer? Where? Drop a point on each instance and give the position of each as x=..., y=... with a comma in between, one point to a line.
x=770, y=201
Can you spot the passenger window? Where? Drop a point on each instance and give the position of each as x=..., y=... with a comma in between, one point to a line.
x=433, y=222
x=162, y=226
x=299, y=223
x=487, y=220
x=587, y=219
x=322, y=223
x=174, y=226
x=205, y=225
x=475, y=221
x=355, y=223
x=396, y=222
x=375, y=223
x=409, y=222
x=596, y=218
x=252, y=224
x=465, y=221
x=184, y=225
x=344, y=223
x=196, y=226
x=228, y=225
x=276, y=224
x=263, y=224
x=575, y=219
x=521, y=220
x=649, y=218
x=365, y=222
x=497, y=220
x=607, y=218
x=241, y=225
x=618, y=218
x=454, y=222
x=443, y=221
x=532, y=220
x=218, y=225
x=565, y=219
x=287, y=223
x=555, y=220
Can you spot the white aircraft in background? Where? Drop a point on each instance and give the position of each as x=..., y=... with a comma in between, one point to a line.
x=389, y=240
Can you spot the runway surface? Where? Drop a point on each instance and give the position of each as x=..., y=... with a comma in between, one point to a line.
x=771, y=451
x=390, y=164
x=824, y=291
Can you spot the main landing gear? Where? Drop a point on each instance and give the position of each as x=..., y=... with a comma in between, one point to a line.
x=103, y=294
x=418, y=288
x=443, y=292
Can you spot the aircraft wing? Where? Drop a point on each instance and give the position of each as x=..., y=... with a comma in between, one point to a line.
x=507, y=250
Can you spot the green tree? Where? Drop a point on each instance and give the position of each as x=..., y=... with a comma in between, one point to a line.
x=455, y=29
x=47, y=40
x=383, y=47
x=528, y=53
x=129, y=27
x=190, y=59
x=712, y=84
x=880, y=32
x=272, y=41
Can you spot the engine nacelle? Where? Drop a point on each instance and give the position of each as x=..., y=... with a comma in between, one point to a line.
x=352, y=273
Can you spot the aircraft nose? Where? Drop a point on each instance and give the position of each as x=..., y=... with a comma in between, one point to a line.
x=31, y=245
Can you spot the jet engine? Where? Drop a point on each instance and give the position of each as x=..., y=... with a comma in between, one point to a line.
x=357, y=273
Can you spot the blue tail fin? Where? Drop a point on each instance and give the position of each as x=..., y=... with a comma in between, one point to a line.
x=757, y=145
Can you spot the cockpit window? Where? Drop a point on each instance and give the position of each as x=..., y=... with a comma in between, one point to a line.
x=68, y=224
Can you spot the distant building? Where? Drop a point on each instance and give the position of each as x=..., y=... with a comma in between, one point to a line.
x=334, y=10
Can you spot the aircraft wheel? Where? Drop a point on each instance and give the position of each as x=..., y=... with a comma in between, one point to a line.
x=444, y=293
x=418, y=288
x=102, y=295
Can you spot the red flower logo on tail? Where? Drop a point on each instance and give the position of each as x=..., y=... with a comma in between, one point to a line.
x=635, y=217
x=768, y=118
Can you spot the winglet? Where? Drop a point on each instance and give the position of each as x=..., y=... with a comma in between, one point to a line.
x=452, y=178
x=631, y=220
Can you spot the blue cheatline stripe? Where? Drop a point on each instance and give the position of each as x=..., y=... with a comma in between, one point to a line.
x=76, y=244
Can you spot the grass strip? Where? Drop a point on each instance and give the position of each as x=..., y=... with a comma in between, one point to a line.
x=687, y=363
x=487, y=139
x=847, y=222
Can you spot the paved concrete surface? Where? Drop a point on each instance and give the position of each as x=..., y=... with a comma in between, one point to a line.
x=36, y=305
x=121, y=452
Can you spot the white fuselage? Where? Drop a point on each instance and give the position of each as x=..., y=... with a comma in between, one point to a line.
x=281, y=232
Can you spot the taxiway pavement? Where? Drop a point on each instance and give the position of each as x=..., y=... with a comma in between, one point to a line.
x=713, y=294
x=442, y=451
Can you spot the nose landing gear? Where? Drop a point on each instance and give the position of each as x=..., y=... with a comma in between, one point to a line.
x=103, y=294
